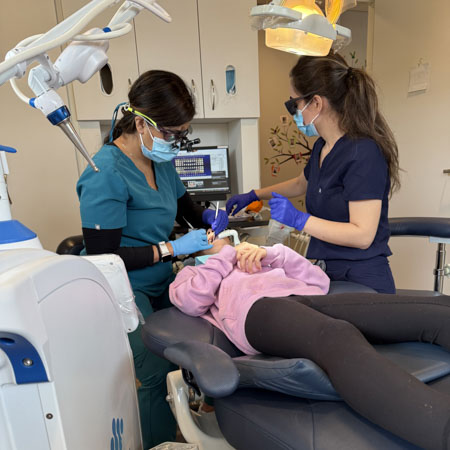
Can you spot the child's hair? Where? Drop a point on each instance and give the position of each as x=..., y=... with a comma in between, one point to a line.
x=162, y=96
x=352, y=95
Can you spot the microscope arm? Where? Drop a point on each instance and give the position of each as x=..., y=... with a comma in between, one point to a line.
x=79, y=61
x=132, y=8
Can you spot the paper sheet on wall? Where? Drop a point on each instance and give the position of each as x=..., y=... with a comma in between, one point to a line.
x=419, y=78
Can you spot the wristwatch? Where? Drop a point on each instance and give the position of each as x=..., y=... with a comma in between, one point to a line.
x=164, y=251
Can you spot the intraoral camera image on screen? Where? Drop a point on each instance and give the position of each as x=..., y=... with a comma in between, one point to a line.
x=205, y=172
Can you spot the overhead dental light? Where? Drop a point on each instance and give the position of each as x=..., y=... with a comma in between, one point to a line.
x=301, y=27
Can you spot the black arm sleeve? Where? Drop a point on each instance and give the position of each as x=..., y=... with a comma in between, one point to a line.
x=190, y=211
x=108, y=241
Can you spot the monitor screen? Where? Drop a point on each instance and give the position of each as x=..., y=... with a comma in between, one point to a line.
x=205, y=172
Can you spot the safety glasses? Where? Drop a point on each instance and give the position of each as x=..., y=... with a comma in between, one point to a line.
x=291, y=105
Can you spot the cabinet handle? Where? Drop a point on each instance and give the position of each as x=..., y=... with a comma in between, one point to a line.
x=194, y=92
x=194, y=89
x=213, y=95
x=447, y=171
x=129, y=82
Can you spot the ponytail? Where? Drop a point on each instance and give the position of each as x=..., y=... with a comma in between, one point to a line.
x=352, y=95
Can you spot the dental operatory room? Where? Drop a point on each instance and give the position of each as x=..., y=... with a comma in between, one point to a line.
x=223, y=225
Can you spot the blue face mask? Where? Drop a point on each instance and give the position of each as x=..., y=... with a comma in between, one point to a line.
x=162, y=151
x=308, y=130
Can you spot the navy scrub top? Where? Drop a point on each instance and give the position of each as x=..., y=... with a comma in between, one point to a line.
x=353, y=170
x=119, y=197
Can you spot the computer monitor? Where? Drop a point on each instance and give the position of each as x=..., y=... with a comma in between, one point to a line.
x=205, y=172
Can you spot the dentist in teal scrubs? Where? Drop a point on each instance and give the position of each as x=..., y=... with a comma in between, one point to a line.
x=129, y=208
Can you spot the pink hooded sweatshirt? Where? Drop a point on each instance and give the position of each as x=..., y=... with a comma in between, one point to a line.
x=221, y=293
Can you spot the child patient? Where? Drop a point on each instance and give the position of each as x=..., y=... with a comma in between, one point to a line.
x=271, y=300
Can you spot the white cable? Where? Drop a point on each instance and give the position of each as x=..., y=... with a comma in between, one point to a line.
x=29, y=40
x=116, y=31
x=18, y=92
x=155, y=8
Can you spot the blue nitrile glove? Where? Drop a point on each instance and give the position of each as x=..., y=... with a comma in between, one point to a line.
x=241, y=201
x=217, y=224
x=192, y=242
x=284, y=211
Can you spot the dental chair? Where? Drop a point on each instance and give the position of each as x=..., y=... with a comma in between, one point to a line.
x=269, y=403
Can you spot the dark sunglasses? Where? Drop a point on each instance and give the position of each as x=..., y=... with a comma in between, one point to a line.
x=175, y=135
x=291, y=105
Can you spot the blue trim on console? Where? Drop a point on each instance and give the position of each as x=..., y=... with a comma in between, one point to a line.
x=13, y=231
x=18, y=349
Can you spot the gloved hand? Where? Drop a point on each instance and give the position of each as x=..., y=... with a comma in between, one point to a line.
x=241, y=201
x=192, y=242
x=284, y=211
x=219, y=224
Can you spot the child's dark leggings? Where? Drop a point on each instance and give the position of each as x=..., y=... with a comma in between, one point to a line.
x=334, y=330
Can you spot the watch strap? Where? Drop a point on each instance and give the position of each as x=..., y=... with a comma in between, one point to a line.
x=159, y=252
x=165, y=253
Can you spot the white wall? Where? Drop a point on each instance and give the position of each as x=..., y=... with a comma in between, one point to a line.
x=43, y=172
x=404, y=32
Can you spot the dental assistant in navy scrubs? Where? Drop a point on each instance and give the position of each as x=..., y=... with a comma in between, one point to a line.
x=129, y=208
x=352, y=170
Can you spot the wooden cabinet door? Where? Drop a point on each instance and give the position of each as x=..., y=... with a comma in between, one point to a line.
x=92, y=102
x=172, y=46
x=227, y=39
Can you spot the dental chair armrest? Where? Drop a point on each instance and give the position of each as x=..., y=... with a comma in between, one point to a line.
x=214, y=371
x=71, y=245
x=420, y=226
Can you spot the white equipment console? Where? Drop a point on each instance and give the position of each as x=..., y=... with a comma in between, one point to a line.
x=67, y=378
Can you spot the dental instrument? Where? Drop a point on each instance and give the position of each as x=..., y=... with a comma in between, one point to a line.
x=188, y=224
x=217, y=209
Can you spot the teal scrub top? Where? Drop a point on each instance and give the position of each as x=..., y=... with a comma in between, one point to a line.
x=119, y=197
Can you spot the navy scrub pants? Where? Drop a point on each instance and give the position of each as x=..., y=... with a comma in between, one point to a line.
x=374, y=272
